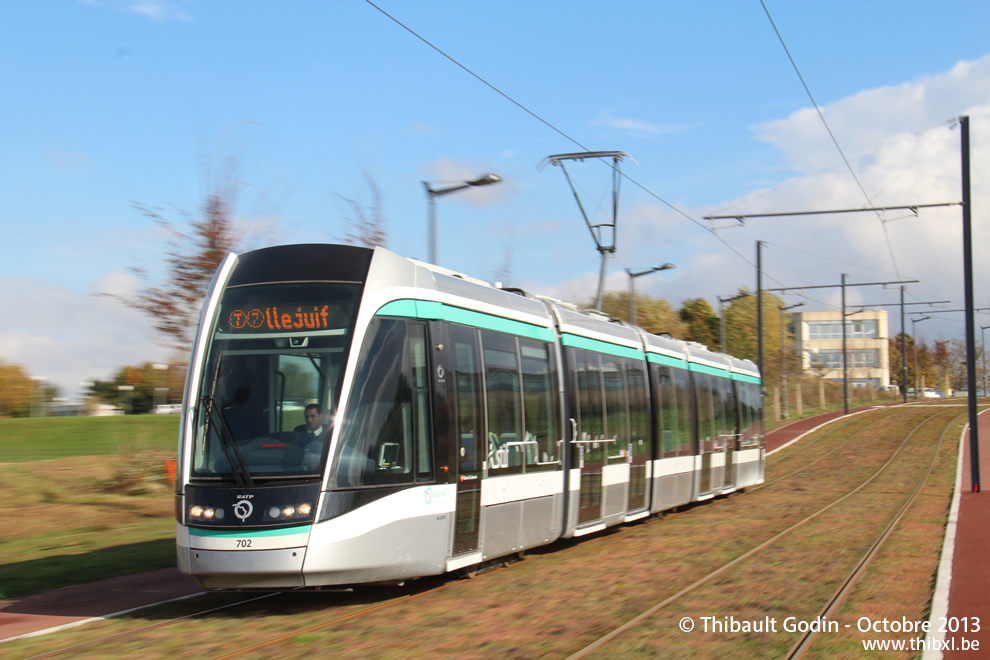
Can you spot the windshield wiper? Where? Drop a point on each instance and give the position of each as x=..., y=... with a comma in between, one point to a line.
x=242, y=475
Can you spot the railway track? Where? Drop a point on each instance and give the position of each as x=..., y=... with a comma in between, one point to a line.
x=468, y=617
x=808, y=636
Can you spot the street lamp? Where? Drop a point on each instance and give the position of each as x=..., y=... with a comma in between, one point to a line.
x=433, y=193
x=38, y=396
x=87, y=389
x=783, y=361
x=158, y=366
x=914, y=338
x=130, y=397
x=632, y=286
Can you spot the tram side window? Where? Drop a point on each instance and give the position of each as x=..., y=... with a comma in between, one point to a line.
x=502, y=385
x=639, y=409
x=706, y=407
x=589, y=414
x=722, y=396
x=540, y=405
x=747, y=393
x=665, y=412
x=385, y=438
x=677, y=435
x=617, y=427
x=756, y=399
x=470, y=405
x=420, y=403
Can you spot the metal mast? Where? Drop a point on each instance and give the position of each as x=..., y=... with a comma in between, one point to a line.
x=605, y=233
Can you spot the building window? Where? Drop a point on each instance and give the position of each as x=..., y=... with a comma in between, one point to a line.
x=861, y=358
x=825, y=330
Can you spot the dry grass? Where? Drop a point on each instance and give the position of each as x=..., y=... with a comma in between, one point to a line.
x=74, y=520
x=557, y=602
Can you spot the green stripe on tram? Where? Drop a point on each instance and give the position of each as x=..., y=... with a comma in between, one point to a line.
x=431, y=310
x=254, y=533
x=599, y=346
x=705, y=369
x=666, y=360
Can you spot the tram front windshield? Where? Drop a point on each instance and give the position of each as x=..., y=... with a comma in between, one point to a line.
x=271, y=382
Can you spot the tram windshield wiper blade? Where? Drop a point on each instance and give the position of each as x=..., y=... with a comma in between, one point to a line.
x=242, y=475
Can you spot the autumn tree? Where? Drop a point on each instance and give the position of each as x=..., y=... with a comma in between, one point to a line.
x=192, y=258
x=702, y=322
x=16, y=389
x=741, y=339
x=654, y=315
x=896, y=361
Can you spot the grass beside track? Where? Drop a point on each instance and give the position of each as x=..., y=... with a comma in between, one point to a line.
x=76, y=520
x=565, y=597
x=83, y=499
x=42, y=438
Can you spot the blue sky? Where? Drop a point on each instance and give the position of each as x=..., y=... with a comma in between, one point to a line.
x=114, y=102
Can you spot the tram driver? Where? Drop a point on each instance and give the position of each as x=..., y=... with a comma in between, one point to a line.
x=315, y=432
x=314, y=426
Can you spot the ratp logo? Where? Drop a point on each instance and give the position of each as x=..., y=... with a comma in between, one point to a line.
x=429, y=494
x=243, y=509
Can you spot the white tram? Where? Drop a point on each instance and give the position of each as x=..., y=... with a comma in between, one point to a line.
x=454, y=422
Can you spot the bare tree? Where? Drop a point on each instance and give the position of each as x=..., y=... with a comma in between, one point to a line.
x=368, y=225
x=193, y=255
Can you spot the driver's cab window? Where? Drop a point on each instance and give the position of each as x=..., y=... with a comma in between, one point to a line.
x=297, y=386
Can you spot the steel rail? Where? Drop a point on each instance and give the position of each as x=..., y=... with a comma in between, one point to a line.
x=632, y=623
x=807, y=639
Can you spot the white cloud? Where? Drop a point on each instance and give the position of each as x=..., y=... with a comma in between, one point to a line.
x=159, y=10
x=69, y=337
x=862, y=123
x=156, y=10
x=636, y=127
x=904, y=152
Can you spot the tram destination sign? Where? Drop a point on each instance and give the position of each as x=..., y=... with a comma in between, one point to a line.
x=282, y=318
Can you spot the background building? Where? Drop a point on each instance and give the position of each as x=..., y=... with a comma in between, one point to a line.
x=818, y=338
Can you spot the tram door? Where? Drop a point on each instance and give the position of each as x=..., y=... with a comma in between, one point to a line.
x=731, y=430
x=469, y=433
x=707, y=437
x=588, y=428
x=639, y=436
x=722, y=430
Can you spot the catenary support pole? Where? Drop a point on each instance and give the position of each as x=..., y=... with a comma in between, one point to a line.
x=974, y=435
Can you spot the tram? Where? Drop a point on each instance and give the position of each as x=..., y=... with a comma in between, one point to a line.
x=353, y=416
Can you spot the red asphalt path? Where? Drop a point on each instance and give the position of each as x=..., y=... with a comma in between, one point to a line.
x=969, y=575
x=75, y=605
x=962, y=595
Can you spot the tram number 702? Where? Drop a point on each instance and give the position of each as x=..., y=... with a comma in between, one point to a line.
x=243, y=543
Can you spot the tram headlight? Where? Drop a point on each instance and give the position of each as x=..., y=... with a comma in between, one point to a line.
x=207, y=513
x=274, y=512
x=304, y=509
x=196, y=512
x=288, y=511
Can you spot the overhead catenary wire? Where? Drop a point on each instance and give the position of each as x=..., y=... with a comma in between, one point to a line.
x=557, y=130
x=623, y=174
x=890, y=248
